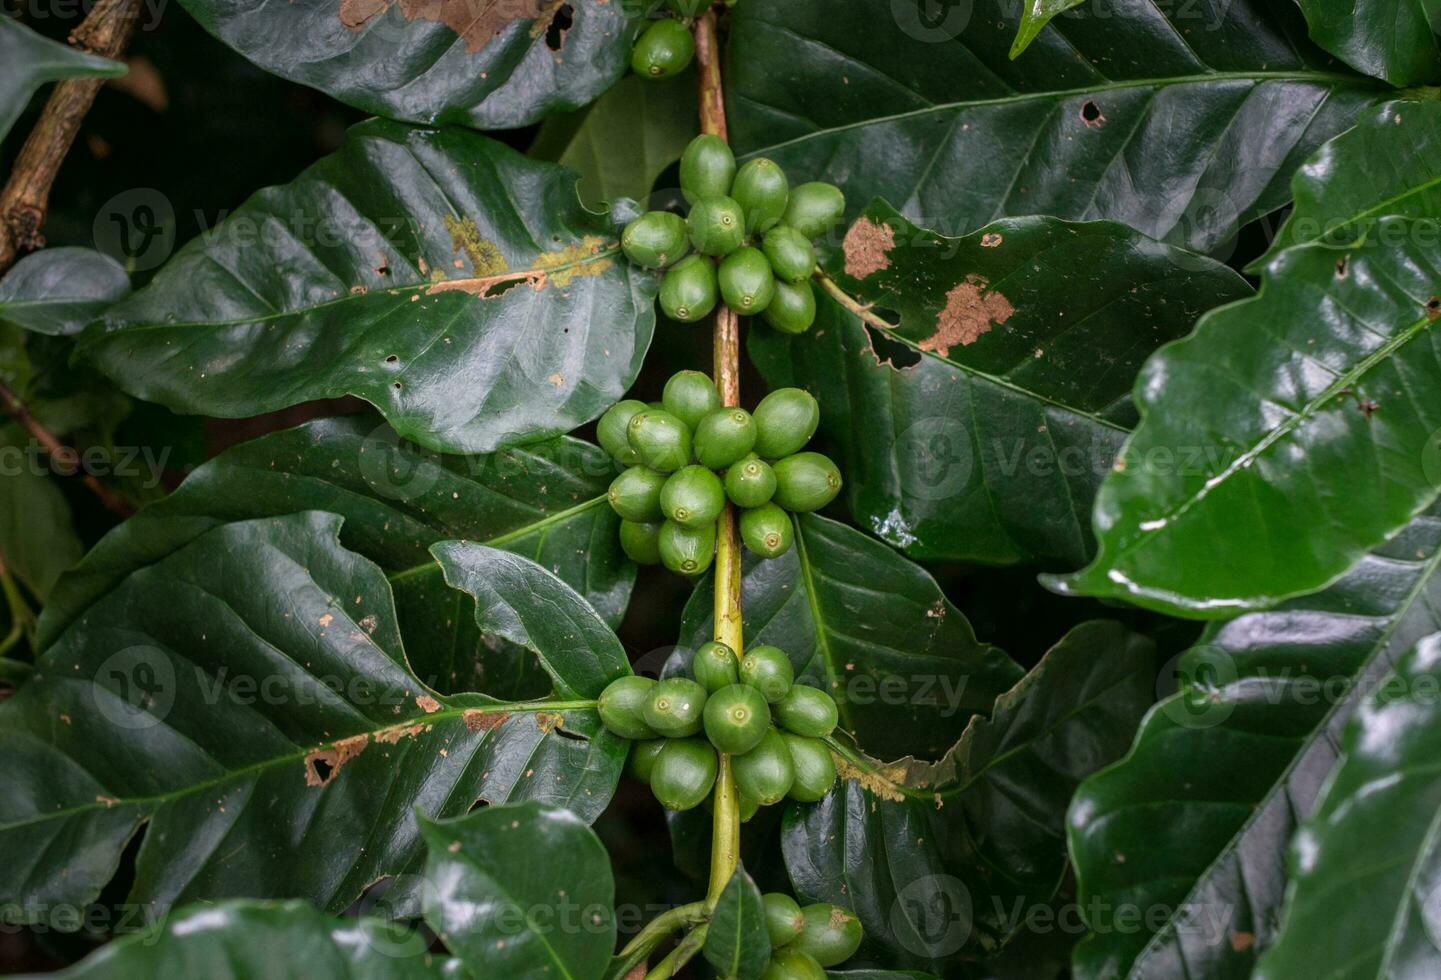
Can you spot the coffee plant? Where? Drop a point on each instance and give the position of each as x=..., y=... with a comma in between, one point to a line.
x=765, y=490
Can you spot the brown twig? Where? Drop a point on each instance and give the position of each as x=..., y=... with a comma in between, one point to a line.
x=65, y=457
x=106, y=31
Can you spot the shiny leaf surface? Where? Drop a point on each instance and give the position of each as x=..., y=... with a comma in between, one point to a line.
x=31, y=61
x=737, y=944
x=1398, y=40
x=60, y=290
x=1035, y=15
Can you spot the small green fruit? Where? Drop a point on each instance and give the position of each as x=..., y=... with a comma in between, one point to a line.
x=815, y=208
x=761, y=189
x=793, y=308
x=690, y=396
x=688, y=551
x=642, y=759
x=707, y=168
x=806, y=482
x=807, y=711
x=715, y=666
x=661, y=440
x=814, y=767
x=611, y=431
x=751, y=482
x=683, y=773
x=783, y=918
x=723, y=437
x=831, y=934
x=641, y=542
x=792, y=964
x=676, y=707
x=689, y=290
x=717, y=225
x=693, y=497
x=622, y=704
x=746, y=283
x=748, y=807
x=766, y=530
x=791, y=254
x=635, y=494
x=736, y=719
x=768, y=670
x=663, y=50
x=785, y=421
x=765, y=773
x=655, y=239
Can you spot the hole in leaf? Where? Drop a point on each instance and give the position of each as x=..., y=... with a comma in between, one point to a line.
x=392, y=359
x=322, y=770
x=892, y=352
x=1091, y=113
x=1433, y=307
x=501, y=287
x=1341, y=266
x=479, y=804
x=559, y=24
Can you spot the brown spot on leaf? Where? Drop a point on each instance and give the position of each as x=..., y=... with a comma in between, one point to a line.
x=991, y=239
x=483, y=721
x=556, y=268
x=970, y=312
x=322, y=765
x=1433, y=307
x=398, y=732
x=1091, y=114
x=485, y=257
x=474, y=21
x=867, y=248
x=1241, y=941
x=549, y=721
x=428, y=704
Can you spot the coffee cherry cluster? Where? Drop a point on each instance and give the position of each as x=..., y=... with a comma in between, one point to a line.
x=807, y=940
x=666, y=46
x=687, y=455
x=752, y=235
x=750, y=709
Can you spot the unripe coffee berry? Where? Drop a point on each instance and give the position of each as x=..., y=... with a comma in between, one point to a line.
x=717, y=226
x=655, y=240
x=807, y=711
x=688, y=551
x=761, y=189
x=611, y=431
x=707, y=168
x=676, y=707
x=750, y=482
x=693, y=497
x=792, y=309
x=768, y=670
x=621, y=706
x=746, y=282
x=815, y=208
x=736, y=719
x=661, y=440
x=785, y=421
x=715, y=666
x=641, y=541
x=765, y=773
x=815, y=770
x=723, y=437
x=690, y=396
x=690, y=289
x=684, y=773
x=766, y=530
x=665, y=49
x=806, y=482
x=791, y=255
x=635, y=494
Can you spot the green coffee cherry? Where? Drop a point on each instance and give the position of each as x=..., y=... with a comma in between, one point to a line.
x=751, y=482
x=815, y=769
x=683, y=773
x=793, y=308
x=621, y=706
x=831, y=934
x=715, y=666
x=765, y=773
x=642, y=759
x=768, y=670
x=661, y=440
x=746, y=283
x=761, y=189
x=791, y=254
x=792, y=964
x=785, y=421
x=807, y=711
x=815, y=208
x=766, y=530
x=611, y=431
x=641, y=542
x=747, y=806
x=688, y=551
x=736, y=719
x=635, y=494
x=676, y=707
x=655, y=240
x=723, y=437
x=784, y=921
x=690, y=396
x=663, y=50
x=707, y=168
x=693, y=497
x=689, y=290
x=717, y=226
x=806, y=482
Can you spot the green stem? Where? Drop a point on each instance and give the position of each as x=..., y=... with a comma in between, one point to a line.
x=657, y=929
x=22, y=618
x=680, y=956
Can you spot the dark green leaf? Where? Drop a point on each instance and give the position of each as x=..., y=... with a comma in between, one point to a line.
x=948, y=858
x=37, y=537
x=1035, y=15
x=247, y=698
x=521, y=891
x=878, y=975
x=1194, y=822
x=1182, y=120
x=874, y=629
x=546, y=502
x=360, y=277
x=31, y=61
x=1398, y=40
x=1286, y=437
x=60, y=290
x=492, y=66
x=737, y=943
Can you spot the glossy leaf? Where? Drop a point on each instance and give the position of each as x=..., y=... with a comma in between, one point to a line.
x=31, y=61
x=737, y=944
x=1035, y=15
x=492, y=66
x=1284, y=438
x=875, y=630
x=1363, y=905
x=1194, y=822
x=523, y=891
x=247, y=700
x=1138, y=116
x=945, y=859
x=981, y=425
x=546, y=502
x=1398, y=40
x=37, y=536
x=60, y=290
x=456, y=285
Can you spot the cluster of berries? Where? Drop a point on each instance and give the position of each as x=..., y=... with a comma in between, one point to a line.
x=686, y=455
x=807, y=940
x=750, y=709
x=666, y=46
x=753, y=223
